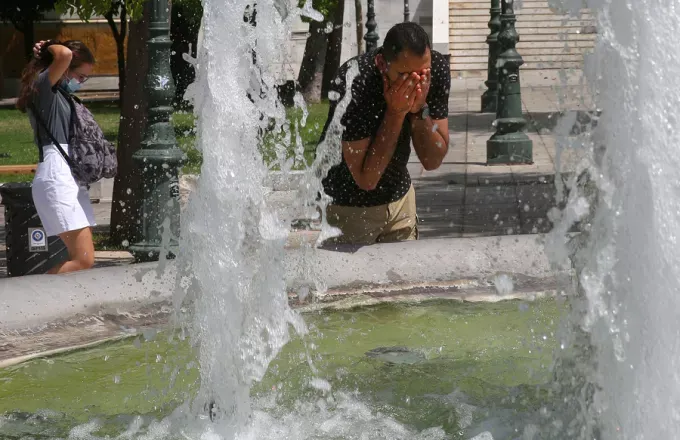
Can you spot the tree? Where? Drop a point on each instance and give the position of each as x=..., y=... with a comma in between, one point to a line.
x=111, y=10
x=23, y=14
x=311, y=72
x=334, y=50
x=185, y=23
x=127, y=188
x=359, y=15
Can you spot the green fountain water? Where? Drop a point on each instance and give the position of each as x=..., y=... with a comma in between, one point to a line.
x=471, y=359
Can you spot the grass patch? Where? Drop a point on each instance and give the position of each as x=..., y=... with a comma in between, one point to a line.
x=16, y=136
x=102, y=242
x=310, y=133
x=272, y=142
x=17, y=146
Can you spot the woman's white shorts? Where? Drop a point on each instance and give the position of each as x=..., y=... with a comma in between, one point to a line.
x=61, y=203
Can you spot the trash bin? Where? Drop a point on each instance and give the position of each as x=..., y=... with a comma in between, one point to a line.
x=29, y=251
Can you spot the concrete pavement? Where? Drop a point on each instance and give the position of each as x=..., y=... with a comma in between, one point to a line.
x=465, y=197
x=44, y=314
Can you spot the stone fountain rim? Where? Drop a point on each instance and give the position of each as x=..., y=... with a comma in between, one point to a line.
x=38, y=311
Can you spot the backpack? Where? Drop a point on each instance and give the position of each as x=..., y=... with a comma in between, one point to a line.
x=91, y=157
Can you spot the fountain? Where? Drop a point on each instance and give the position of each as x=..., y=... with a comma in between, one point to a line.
x=628, y=266
x=244, y=364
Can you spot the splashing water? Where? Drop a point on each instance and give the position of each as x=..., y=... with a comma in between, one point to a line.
x=626, y=194
x=618, y=372
x=233, y=242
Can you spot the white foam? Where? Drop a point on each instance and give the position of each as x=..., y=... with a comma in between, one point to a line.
x=629, y=263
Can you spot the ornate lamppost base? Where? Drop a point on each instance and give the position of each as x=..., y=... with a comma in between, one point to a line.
x=509, y=148
x=489, y=100
x=147, y=252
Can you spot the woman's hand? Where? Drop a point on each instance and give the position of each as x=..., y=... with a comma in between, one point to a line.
x=37, y=48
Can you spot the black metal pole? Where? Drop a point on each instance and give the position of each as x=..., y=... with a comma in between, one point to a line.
x=371, y=36
x=159, y=157
x=510, y=144
x=407, y=12
x=490, y=96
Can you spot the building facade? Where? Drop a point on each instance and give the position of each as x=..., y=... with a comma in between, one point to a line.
x=550, y=39
x=96, y=34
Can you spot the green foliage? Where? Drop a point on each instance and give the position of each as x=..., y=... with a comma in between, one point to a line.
x=326, y=7
x=87, y=9
x=23, y=12
x=191, y=12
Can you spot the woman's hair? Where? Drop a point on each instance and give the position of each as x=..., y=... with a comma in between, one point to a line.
x=81, y=55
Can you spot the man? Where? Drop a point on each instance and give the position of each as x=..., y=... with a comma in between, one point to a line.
x=401, y=94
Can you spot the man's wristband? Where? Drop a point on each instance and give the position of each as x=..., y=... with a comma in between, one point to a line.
x=421, y=114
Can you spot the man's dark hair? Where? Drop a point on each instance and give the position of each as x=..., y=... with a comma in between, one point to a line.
x=407, y=36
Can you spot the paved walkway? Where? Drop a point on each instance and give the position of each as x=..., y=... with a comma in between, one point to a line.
x=465, y=197
x=97, y=88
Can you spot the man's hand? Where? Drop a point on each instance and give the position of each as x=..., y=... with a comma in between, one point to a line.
x=422, y=89
x=402, y=94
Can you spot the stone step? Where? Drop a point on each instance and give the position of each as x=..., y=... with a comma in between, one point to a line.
x=564, y=38
x=523, y=46
x=549, y=38
x=528, y=58
x=526, y=52
x=483, y=17
x=480, y=68
x=555, y=26
x=566, y=33
x=485, y=4
x=524, y=12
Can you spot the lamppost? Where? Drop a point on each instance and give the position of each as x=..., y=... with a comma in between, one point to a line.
x=407, y=12
x=510, y=144
x=159, y=157
x=490, y=96
x=371, y=36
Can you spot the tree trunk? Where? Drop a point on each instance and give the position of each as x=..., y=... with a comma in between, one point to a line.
x=120, y=49
x=29, y=38
x=311, y=68
x=360, y=26
x=334, y=51
x=127, y=189
x=119, y=35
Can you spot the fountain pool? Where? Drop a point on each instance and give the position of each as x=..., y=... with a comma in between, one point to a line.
x=391, y=370
x=422, y=371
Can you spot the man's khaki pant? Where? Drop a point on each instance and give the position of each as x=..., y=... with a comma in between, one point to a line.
x=395, y=221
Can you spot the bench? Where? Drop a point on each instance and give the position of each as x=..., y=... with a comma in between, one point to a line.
x=17, y=169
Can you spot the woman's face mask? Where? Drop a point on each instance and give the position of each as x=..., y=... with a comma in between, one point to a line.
x=71, y=86
x=74, y=80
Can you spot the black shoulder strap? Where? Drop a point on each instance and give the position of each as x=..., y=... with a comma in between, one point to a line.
x=42, y=124
x=41, y=153
x=71, y=99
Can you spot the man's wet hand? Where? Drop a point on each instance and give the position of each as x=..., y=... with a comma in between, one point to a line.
x=422, y=89
x=401, y=95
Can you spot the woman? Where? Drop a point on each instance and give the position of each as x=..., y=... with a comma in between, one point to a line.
x=63, y=205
